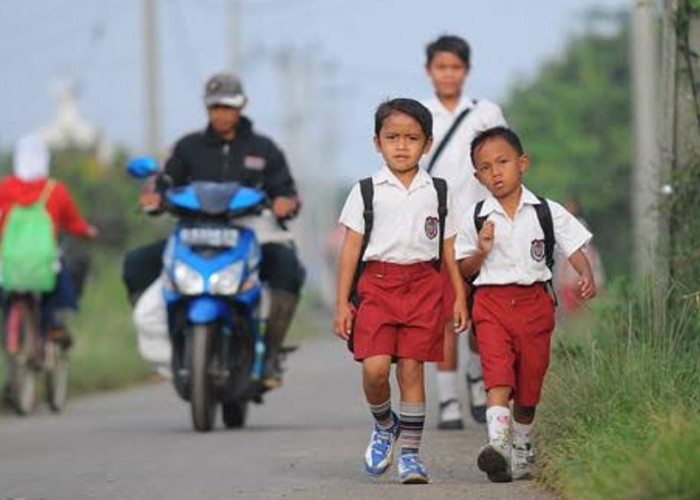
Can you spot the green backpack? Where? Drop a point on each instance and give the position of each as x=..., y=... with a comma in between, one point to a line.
x=28, y=249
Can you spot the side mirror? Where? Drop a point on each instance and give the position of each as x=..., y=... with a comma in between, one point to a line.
x=142, y=167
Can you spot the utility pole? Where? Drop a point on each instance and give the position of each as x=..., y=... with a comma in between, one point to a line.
x=681, y=138
x=151, y=71
x=234, y=35
x=646, y=174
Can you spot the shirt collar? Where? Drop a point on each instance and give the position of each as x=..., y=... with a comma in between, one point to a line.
x=386, y=176
x=464, y=102
x=491, y=204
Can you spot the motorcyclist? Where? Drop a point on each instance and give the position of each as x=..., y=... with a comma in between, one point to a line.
x=229, y=150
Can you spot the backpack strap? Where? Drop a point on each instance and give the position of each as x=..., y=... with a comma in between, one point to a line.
x=544, y=216
x=46, y=192
x=441, y=188
x=479, y=219
x=367, y=192
x=446, y=139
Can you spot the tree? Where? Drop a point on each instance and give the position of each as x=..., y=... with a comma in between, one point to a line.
x=574, y=119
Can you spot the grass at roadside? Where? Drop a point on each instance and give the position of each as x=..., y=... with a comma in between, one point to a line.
x=621, y=411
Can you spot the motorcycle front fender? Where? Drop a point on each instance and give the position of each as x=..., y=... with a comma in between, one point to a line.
x=205, y=309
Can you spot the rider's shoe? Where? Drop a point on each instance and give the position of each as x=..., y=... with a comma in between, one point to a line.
x=61, y=336
x=272, y=372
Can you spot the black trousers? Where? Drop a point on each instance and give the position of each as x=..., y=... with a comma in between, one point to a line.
x=281, y=268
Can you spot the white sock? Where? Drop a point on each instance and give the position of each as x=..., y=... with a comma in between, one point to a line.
x=473, y=365
x=521, y=434
x=447, y=386
x=498, y=423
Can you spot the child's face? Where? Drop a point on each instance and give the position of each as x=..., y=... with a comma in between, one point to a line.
x=447, y=72
x=401, y=142
x=499, y=167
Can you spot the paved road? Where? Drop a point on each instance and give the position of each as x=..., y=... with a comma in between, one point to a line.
x=306, y=442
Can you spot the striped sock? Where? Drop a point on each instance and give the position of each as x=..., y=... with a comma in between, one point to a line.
x=412, y=420
x=383, y=415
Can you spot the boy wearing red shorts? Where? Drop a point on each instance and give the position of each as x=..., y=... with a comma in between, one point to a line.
x=513, y=312
x=400, y=289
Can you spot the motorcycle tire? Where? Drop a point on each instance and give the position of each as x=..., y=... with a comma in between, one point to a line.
x=202, y=400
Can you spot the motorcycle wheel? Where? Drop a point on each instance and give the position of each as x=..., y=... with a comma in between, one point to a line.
x=22, y=374
x=234, y=413
x=202, y=398
x=56, y=376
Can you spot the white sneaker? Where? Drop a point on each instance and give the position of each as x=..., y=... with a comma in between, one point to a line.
x=494, y=460
x=450, y=415
x=523, y=461
x=477, y=398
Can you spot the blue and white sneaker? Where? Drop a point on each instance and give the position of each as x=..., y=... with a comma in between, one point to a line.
x=380, y=451
x=412, y=470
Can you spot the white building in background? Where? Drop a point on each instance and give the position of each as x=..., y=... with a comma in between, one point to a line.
x=69, y=128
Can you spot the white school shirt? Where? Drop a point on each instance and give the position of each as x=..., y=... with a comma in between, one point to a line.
x=517, y=256
x=454, y=164
x=405, y=229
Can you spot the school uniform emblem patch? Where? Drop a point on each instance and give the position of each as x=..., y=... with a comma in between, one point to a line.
x=537, y=250
x=431, y=227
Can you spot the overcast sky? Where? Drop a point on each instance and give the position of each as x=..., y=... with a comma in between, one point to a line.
x=363, y=51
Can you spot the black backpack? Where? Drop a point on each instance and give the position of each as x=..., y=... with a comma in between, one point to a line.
x=544, y=216
x=367, y=191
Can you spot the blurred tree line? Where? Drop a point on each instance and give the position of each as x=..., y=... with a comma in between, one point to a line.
x=574, y=117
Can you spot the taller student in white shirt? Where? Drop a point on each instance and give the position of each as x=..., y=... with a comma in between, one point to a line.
x=457, y=119
x=400, y=287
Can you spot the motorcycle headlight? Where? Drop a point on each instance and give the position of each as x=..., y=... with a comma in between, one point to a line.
x=228, y=280
x=187, y=280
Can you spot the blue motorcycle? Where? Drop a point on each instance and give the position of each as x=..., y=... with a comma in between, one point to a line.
x=212, y=292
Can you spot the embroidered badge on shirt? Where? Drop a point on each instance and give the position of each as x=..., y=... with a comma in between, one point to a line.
x=537, y=250
x=431, y=227
x=254, y=162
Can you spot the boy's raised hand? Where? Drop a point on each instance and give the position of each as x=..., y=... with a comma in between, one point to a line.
x=486, y=237
x=342, y=324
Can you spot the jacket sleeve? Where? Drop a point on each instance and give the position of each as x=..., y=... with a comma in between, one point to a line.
x=175, y=171
x=278, y=179
x=69, y=219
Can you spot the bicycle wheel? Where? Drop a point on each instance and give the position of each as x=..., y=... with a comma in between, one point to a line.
x=22, y=371
x=56, y=357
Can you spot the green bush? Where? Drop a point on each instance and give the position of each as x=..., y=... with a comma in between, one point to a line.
x=621, y=409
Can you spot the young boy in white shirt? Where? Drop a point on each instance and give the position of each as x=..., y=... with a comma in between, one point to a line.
x=400, y=288
x=448, y=63
x=513, y=311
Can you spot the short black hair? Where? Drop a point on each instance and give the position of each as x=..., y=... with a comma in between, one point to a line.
x=449, y=43
x=496, y=132
x=410, y=107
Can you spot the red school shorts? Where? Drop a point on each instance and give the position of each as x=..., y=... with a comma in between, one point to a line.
x=400, y=312
x=448, y=295
x=514, y=326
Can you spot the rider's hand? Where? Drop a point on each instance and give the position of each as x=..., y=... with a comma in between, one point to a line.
x=342, y=324
x=284, y=206
x=150, y=202
x=92, y=232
